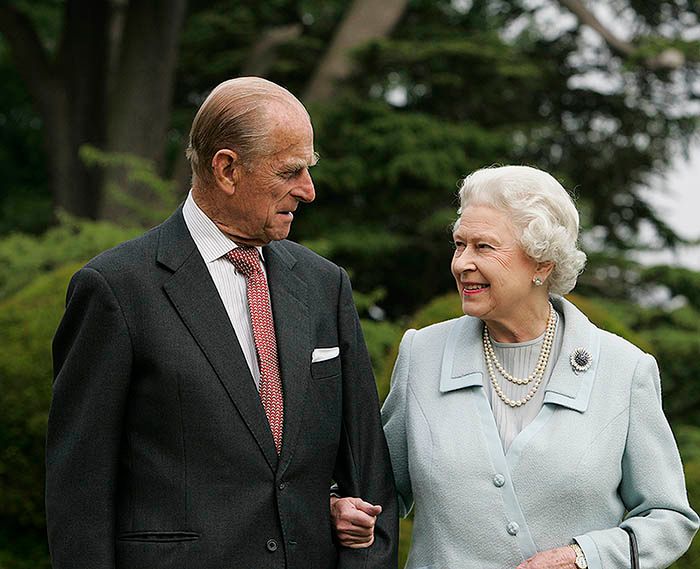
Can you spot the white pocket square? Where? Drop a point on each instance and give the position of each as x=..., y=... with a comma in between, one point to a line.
x=323, y=354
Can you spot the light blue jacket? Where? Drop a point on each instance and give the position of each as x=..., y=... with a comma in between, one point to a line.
x=599, y=447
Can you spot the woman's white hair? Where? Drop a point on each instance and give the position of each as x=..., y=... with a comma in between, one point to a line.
x=543, y=213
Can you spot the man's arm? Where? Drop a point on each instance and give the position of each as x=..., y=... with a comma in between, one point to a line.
x=92, y=361
x=363, y=467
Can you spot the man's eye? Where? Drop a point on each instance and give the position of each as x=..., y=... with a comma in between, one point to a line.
x=458, y=246
x=289, y=174
x=484, y=246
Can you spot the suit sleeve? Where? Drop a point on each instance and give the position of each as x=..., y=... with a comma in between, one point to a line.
x=394, y=419
x=92, y=361
x=363, y=467
x=652, y=487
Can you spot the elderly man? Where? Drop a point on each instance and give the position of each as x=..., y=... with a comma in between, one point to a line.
x=211, y=379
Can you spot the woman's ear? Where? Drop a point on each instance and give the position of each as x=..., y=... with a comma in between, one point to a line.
x=543, y=270
x=224, y=166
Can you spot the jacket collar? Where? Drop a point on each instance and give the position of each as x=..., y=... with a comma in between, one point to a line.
x=463, y=360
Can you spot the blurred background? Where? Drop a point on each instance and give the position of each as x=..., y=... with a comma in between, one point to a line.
x=406, y=97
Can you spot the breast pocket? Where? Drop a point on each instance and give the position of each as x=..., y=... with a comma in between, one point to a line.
x=326, y=369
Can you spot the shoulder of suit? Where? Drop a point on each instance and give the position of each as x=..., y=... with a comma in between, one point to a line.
x=127, y=256
x=305, y=255
x=621, y=352
x=618, y=347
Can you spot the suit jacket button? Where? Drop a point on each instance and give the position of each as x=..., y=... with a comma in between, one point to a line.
x=499, y=480
x=513, y=528
x=282, y=485
x=271, y=545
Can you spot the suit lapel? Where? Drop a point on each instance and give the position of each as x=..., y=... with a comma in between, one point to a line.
x=566, y=387
x=289, y=297
x=195, y=298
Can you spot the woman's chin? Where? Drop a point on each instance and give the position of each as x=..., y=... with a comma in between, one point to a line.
x=471, y=308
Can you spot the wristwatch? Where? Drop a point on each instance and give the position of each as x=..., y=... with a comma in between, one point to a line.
x=580, y=562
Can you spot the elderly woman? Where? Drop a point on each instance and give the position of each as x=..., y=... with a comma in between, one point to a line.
x=526, y=436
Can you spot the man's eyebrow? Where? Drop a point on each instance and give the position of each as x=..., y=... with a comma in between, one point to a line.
x=299, y=164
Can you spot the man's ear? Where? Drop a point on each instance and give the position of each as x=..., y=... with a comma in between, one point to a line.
x=224, y=166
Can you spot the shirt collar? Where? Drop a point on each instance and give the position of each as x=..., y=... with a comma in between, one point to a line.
x=208, y=238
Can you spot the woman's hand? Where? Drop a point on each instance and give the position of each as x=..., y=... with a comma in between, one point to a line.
x=353, y=521
x=560, y=558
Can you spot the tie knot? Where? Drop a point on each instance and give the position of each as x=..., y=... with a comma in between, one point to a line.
x=246, y=260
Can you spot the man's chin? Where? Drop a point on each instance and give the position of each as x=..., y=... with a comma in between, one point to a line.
x=277, y=234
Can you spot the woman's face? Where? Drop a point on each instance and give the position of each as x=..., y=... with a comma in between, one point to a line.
x=493, y=273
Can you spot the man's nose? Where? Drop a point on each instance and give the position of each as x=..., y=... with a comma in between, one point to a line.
x=305, y=190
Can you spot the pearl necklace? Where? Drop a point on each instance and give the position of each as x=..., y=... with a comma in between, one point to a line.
x=535, y=376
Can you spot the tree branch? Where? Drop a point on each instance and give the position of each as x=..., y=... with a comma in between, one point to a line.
x=32, y=60
x=366, y=20
x=262, y=54
x=668, y=59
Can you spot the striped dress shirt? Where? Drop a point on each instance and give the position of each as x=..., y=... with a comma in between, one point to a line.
x=231, y=285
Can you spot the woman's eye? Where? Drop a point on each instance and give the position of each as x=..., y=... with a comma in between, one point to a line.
x=484, y=246
x=458, y=246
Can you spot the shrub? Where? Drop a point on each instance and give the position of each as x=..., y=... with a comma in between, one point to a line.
x=28, y=321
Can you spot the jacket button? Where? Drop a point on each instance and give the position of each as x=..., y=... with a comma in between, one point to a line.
x=282, y=485
x=271, y=545
x=513, y=528
x=499, y=480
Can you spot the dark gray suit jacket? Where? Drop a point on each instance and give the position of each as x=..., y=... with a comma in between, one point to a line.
x=159, y=454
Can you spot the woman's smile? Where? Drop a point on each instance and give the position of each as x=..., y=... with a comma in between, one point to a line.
x=471, y=289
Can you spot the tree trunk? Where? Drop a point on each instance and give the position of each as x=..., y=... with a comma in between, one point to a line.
x=366, y=20
x=82, y=62
x=68, y=93
x=141, y=97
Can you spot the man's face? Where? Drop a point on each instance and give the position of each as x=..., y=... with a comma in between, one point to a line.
x=268, y=191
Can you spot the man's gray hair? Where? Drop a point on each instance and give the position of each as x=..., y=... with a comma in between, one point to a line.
x=543, y=213
x=235, y=115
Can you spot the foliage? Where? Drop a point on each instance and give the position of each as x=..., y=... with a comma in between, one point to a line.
x=691, y=560
x=453, y=90
x=23, y=549
x=155, y=199
x=24, y=257
x=27, y=323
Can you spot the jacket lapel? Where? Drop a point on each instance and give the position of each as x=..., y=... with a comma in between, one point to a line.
x=195, y=298
x=289, y=297
x=566, y=387
x=463, y=360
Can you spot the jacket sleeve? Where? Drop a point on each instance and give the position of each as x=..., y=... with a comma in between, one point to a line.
x=363, y=467
x=92, y=362
x=652, y=487
x=394, y=419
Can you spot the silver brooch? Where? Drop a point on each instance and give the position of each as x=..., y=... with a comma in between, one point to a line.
x=580, y=360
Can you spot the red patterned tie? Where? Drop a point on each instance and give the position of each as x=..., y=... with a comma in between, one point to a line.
x=247, y=261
